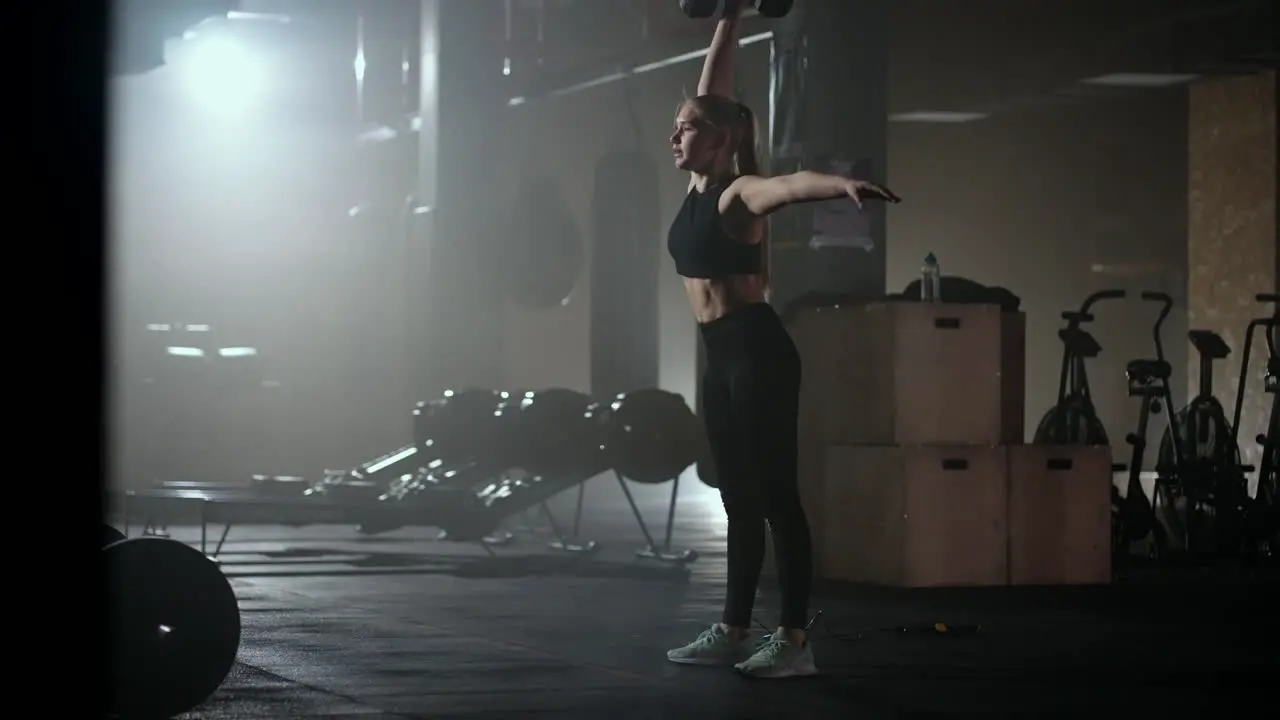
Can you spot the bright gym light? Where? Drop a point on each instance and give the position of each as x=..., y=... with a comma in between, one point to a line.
x=220, y=72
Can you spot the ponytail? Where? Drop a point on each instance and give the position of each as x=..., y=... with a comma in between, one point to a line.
x=747, y=158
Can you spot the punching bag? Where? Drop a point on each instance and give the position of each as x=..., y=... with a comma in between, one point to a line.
x=541, y=256
x=626, y=233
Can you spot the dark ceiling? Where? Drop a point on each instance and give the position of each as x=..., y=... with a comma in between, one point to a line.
x=958, y=55
x=999, y=54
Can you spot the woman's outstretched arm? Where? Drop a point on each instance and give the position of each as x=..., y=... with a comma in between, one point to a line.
x=761, y=196
x=717, y=69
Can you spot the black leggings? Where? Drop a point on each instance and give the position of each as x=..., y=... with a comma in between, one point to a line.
x=750, y=399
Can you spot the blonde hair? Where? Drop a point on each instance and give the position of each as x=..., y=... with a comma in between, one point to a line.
x=735, y=118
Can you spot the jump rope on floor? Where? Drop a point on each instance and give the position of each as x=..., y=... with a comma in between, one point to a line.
x=864, y=634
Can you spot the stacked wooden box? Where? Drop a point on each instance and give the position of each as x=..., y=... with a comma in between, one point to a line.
x=912, y=467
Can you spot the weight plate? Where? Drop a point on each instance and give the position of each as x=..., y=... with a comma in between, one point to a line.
x=174, y=627
x=698, y=9
x=774, y=8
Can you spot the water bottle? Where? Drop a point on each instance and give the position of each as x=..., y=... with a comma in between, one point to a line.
x=930, y=280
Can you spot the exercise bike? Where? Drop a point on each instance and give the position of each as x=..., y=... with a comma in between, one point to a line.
x=1262, y=519
x=1199, y=462
x=1133, y=516
x=1073, y=420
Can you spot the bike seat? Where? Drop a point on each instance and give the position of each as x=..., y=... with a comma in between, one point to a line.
x=1079, y=342
x=1152, y=369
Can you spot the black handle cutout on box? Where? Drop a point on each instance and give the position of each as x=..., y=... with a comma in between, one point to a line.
x=955, y=464
x=1059, y=464
x=947, y=323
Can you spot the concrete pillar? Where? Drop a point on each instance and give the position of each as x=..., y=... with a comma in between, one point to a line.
x=1232, y=236
x=829, y=112
x=455, y=329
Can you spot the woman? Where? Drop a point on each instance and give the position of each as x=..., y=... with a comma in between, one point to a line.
x=752, y=383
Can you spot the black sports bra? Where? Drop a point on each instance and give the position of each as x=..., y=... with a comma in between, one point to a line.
x=701, y=247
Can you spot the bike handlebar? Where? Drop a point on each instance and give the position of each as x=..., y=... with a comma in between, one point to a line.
x=1269, y=324
x=1167, y=301
x=1101, y=295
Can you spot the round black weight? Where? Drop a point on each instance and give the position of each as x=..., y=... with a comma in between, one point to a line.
x=1071, y=423
x=557, y=431
x=651, y=436
x=505, y=438
x=110, y=535
x=774, y=8
x=699, y=9
x=1206, y=447
x=457, y=425
x=173, y=630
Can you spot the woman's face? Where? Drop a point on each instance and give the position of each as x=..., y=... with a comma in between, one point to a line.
x=694, y=143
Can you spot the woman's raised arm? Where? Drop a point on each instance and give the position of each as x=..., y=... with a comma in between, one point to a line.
x=717, y=69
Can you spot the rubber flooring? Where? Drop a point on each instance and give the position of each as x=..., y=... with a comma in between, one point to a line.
x=401, y=626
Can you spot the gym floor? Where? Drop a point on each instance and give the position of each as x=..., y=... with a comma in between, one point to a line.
x=404, y=627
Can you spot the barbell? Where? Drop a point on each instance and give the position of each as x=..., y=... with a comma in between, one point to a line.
x=173, y=628
x=699, y=9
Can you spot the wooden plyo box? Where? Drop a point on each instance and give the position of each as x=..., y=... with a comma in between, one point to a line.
x=1059, y=515
x=909, y=373
x=915, y=516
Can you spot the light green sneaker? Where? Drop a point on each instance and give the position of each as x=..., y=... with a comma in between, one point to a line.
x=776, y=658
x=713, y=647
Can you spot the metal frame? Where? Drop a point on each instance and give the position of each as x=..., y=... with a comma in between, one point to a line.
x=228, y=505
x=652, y=551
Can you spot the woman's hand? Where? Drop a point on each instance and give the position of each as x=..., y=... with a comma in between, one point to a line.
x=860, y=189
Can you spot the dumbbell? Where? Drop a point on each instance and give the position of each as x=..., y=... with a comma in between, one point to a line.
x=706, y=8
x=457, y=425
x=173, y=628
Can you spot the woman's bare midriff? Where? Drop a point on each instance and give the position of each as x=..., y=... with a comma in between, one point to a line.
x=712, y=299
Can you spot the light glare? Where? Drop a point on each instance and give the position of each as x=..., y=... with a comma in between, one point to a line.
x=222, y=73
